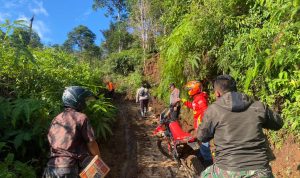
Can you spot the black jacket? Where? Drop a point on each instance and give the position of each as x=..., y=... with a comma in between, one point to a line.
x=236, y=123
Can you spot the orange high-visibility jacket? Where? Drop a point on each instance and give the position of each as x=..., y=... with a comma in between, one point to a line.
x=199, y=105
x=110, y=86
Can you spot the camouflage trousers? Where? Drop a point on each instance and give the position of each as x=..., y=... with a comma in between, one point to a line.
x=215, y=172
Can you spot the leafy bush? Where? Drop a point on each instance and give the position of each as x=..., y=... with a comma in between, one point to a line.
x=124, y=69
x=11, y=168
x=31, y=85
x=264, y=56
x=124, y=62
x=102, y=115
x=188, y=53
x=256, y=41
x=129, y=84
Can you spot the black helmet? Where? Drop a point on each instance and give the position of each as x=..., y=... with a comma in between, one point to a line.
x=74, y=97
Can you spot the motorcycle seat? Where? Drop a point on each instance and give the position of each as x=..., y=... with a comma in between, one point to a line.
x=178, y=133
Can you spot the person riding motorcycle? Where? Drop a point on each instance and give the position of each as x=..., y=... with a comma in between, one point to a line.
x=199, y=105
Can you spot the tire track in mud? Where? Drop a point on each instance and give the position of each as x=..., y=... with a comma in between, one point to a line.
x=151, y=163
x=132, y=151
x=145, y=160
x=120, y=151
x=129, y=169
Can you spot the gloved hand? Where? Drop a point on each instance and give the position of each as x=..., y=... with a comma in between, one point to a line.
x=183, y=100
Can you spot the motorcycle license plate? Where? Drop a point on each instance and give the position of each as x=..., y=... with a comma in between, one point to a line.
x=194, y=145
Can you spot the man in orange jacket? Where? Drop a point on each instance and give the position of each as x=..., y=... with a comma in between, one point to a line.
x=199, y=105
x=111, y=89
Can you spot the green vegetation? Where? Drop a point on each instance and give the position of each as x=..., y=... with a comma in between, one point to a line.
x=256, y=41
x=32, y=81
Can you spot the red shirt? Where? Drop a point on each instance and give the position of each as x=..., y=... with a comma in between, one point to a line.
x=199, y=105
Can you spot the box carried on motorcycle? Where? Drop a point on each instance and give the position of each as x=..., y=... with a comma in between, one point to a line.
x=95, y=169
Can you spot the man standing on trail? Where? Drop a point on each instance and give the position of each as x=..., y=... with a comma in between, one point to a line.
x=174, y=104
x=199, y=105
x=143, y=96
x=71, y=137
x=236, y=123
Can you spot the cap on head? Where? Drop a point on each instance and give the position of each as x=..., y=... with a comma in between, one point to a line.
x=75, y=96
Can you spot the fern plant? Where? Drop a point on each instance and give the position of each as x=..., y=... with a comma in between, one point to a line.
x=102, y=115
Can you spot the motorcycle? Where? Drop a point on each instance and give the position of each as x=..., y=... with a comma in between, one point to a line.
x=178, y=145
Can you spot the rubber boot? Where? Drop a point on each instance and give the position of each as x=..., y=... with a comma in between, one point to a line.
x=145, y=112
x=142, y=114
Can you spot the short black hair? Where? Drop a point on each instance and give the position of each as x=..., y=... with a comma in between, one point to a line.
x=145, y=85
x=225, y=83
x=172, y=85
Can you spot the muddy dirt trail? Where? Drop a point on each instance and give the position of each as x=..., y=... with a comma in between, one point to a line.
x=132, y=151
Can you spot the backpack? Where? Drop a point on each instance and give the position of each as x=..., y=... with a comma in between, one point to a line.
x=142, y=92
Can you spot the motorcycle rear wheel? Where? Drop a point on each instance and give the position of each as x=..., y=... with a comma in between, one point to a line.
x=192, y=166
x=162, y=145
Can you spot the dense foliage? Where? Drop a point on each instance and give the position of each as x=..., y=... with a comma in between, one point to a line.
x=257, y=42
x=31, y=84
x=124, y=69
x=117, y=38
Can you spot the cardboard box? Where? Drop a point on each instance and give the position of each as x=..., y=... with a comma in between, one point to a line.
x=95, y=169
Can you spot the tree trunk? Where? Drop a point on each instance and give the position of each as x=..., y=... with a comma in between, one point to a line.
x=119, y=31
x=30, y=28
x=143, y=37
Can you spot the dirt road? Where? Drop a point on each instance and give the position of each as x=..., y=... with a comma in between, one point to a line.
x=132, y=150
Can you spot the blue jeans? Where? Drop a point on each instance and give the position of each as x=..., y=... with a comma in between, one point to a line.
x=205, y=151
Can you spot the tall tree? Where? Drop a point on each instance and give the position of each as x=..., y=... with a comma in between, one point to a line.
x=116, y=9
x=81, y=38
x=112, y=42
x=145, y=20
x=21, y=35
